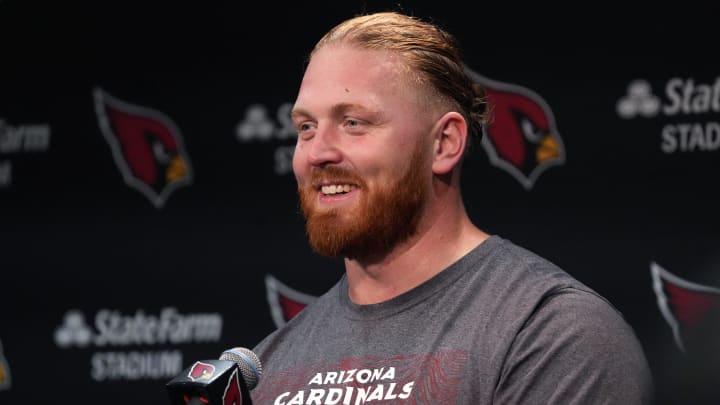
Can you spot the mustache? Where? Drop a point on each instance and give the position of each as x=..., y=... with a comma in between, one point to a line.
x=320, y=176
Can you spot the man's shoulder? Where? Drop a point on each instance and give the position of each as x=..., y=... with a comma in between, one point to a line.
x=514, y=284
x=510, y=263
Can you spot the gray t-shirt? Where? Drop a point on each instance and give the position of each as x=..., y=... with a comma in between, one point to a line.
x=499, y=326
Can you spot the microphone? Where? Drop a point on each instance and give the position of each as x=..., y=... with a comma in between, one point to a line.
x=226, y=381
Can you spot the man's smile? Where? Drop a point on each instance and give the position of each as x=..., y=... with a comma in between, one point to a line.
x=333, y=189
x=335, y=192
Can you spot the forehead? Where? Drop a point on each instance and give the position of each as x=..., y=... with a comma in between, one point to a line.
x=344, y=73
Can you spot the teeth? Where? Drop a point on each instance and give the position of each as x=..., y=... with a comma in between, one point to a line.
x=336, y=189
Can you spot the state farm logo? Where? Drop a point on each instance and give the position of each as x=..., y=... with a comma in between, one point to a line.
x=689, y=109
x=73, y=331
x=117, y=329
x=16, y=140
x=258, y=126
x=639, y=101
x=113, y=328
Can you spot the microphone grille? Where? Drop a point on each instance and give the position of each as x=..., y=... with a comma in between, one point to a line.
x=247, y=361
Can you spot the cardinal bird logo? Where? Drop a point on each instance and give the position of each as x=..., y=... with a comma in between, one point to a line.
x=522, y=137
x=688, y=307
x=146, y=145
x=4, y=372
x=284, y=301
x=233, y=394
x=201, y=371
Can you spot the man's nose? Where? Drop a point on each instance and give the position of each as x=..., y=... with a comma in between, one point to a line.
x=324, y=147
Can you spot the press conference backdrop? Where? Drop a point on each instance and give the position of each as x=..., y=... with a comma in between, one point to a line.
x=148, y=215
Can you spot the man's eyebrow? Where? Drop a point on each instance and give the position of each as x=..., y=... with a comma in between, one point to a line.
x=342, y=108
x=337, y=109
x=299, y=112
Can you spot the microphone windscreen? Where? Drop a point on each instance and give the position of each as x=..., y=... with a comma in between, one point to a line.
x=247, y=361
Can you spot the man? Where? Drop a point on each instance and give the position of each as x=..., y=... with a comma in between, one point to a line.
x=431, y=309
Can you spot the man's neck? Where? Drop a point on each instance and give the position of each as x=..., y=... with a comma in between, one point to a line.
x=440, y=241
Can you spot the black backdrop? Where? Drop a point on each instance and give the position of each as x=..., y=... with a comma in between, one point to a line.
x=110, y=289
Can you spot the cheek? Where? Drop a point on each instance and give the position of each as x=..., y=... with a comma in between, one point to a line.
x=299, y=168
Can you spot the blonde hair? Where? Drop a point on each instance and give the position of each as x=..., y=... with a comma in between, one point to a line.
x=431, y=54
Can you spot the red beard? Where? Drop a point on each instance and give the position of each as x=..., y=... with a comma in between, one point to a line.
x=385, y=217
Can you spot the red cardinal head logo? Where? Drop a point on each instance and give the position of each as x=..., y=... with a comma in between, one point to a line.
x=285, y=302
x=233, y=394
x=522, y=137
x=201, y=371
x=692, y=310
x=146, y=145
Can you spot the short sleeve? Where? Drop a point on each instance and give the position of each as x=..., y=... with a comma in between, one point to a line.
x=576, y=348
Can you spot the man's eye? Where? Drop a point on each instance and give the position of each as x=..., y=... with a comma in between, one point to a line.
x=354, y=123
x=305, y=130
x=303, y=127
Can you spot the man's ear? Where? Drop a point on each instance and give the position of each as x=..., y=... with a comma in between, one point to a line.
x=449, y=145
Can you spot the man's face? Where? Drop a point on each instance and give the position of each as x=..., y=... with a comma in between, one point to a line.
x=362, y=159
